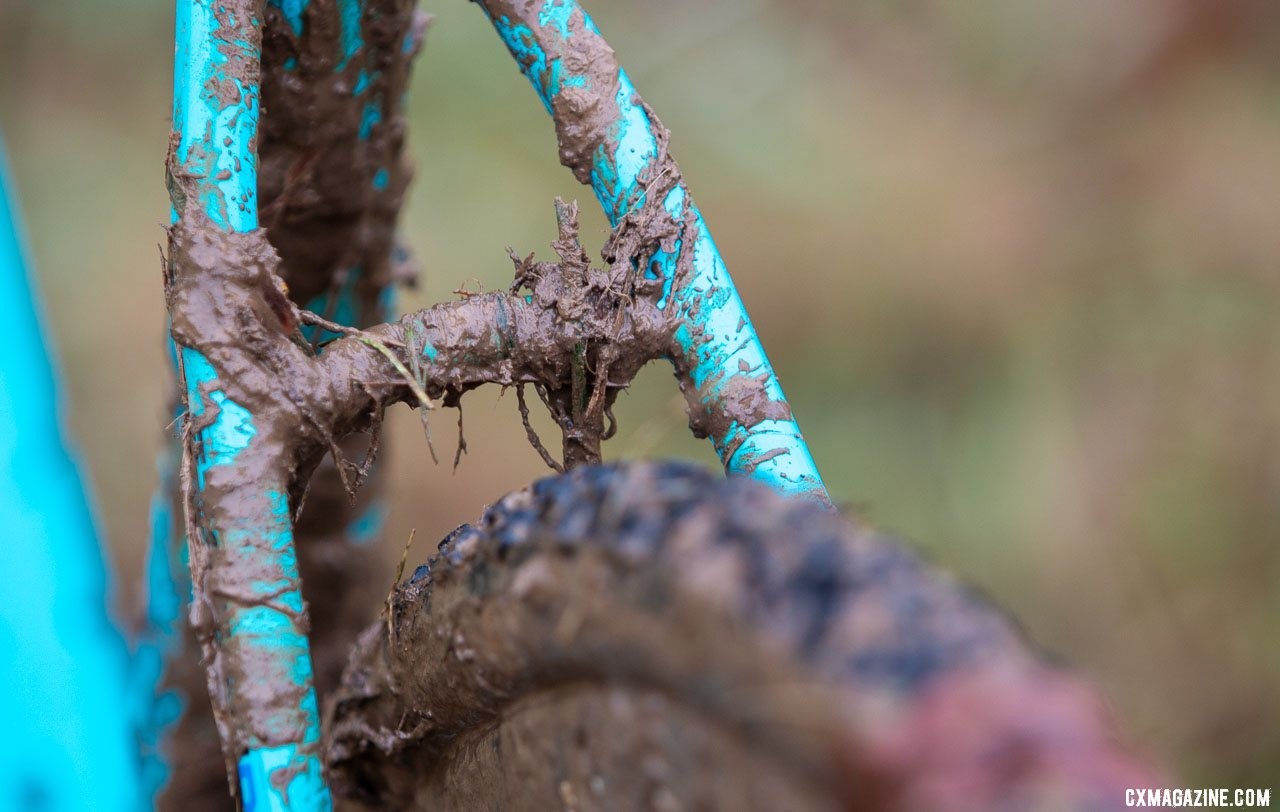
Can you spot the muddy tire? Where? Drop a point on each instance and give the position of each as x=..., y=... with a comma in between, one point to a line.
x=656, y=637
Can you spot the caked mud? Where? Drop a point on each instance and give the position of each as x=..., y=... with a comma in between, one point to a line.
x=332, y=173
x=485, y=653
x=573, y=332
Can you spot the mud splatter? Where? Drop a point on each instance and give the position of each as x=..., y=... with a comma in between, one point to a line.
x=610, y=139
x=330, y=191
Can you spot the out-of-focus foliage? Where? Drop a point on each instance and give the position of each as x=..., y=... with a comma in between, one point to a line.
x=1018, y=263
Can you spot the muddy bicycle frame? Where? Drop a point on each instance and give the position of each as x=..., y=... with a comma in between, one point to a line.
x=617, y=149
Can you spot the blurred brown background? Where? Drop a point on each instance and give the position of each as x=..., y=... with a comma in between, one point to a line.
x=1016, y=261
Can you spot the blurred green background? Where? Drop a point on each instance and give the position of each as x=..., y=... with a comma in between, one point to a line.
x=1016, y=261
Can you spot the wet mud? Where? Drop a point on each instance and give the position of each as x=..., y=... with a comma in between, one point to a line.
x=575, y=333
x=723, y=404
x=333, y=170
x=332, y=177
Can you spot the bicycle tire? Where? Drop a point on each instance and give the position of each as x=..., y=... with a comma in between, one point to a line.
x=652, y=636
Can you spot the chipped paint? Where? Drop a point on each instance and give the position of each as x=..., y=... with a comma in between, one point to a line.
x=216, y=114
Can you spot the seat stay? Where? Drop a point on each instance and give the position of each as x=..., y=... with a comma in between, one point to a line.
x=612, y=141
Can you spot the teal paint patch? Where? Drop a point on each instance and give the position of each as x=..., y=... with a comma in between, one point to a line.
x=275, y=627
x=216, y=138
x=366, y=527
x=363, y=81
x=351, y=40
x=380, y=179
x=271, y=625
x=232, y=428
x=292, y=600
x=369, y=118
x=547, y=74
x=663, y=263
x=310, y=706
x=788, y=469
x=337, y=306
x=291, y=63
x=635, y=148
x=429, y=350
x=292, y=11
x=301, y=789
x=557, y=13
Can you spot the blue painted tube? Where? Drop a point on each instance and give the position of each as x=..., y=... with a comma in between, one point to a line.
x=305, y=790
x=216, y=116
x=160, y=702
x=66, y=742
x=717, y=345
x=155, y=707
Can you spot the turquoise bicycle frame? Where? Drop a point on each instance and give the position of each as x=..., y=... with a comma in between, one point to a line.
x=67, y=743
x=215, y=122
